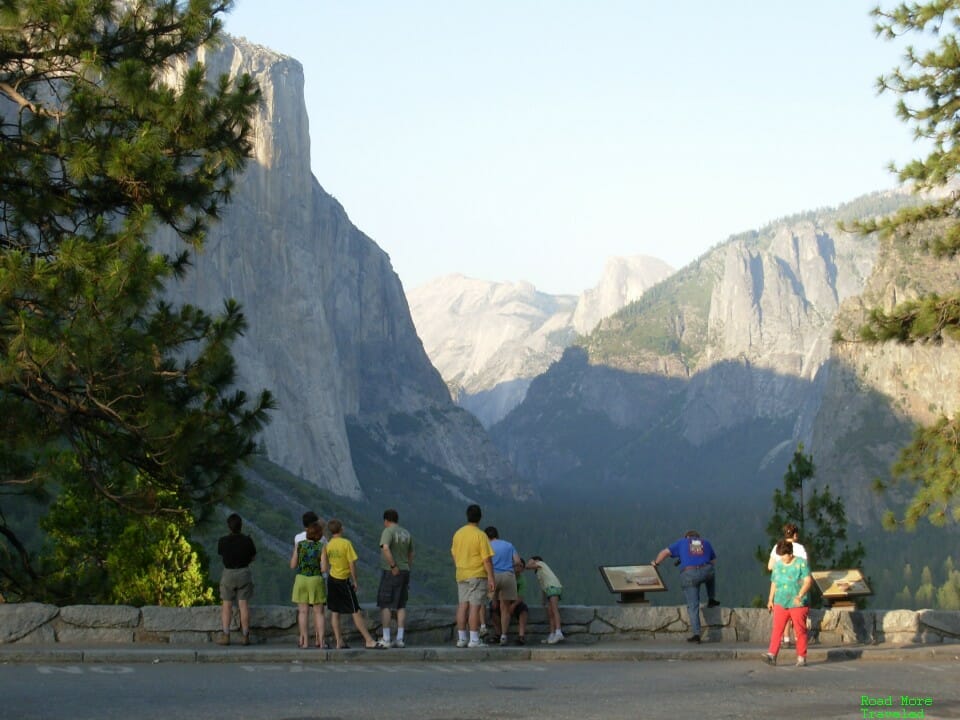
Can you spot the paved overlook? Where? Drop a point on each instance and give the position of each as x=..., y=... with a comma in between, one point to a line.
x=616, y=681
x=63, y=662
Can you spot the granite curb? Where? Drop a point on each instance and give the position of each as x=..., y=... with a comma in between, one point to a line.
x=272, y=654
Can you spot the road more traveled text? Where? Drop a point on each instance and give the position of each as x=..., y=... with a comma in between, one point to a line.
x=874, y=708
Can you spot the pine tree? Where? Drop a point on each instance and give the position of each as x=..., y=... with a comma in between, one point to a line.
x=903, y=599
x=925, y=594
x=115, y=402
x=928, y=83
x=948, y=594
x=821, y=517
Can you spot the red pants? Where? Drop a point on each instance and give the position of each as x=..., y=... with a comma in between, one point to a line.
x=799, y=617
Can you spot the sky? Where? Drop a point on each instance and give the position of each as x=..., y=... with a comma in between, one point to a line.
x=530, y=140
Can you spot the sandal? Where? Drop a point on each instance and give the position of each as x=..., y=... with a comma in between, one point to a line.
x=371, y=646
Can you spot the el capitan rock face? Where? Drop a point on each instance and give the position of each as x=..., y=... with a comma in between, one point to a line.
x=329, y=329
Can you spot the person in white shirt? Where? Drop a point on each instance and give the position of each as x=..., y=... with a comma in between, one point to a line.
x=309, y=518
x=791, y=533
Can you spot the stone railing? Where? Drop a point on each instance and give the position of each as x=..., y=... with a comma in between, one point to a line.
x=118, y=624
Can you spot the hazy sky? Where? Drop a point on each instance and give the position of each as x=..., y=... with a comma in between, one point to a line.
x=519, y=140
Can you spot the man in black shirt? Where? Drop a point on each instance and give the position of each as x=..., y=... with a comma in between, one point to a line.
x=236, y=583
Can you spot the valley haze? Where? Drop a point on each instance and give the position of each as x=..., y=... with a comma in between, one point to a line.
x=676, y=399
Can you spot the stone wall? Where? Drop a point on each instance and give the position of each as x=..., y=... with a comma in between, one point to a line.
x=117, y=624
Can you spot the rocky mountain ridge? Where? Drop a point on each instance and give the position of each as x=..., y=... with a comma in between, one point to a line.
x=490, y=339
x=730, y=357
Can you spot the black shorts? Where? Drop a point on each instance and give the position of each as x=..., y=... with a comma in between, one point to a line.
x=341, y=597
x=393, y=590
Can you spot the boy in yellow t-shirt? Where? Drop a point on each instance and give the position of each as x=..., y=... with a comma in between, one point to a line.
x=342, y=584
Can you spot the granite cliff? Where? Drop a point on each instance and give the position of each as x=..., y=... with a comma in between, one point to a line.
x=329, y=328
x=876, y=394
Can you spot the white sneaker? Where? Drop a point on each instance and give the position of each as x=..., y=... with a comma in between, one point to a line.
x=398, y=644
x=555, y=638
x=548, y=641
x=483, y=630
x=474, y=644
x=383, y=644
x=461, y=643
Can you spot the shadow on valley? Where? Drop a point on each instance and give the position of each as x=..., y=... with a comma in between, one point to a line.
x=728, y=432
x=624, y=463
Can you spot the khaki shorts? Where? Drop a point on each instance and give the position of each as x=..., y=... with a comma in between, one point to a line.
x=472, y=591
x=506, y=586
x=236, y=584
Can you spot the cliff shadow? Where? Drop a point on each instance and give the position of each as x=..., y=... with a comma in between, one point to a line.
x=728, y=431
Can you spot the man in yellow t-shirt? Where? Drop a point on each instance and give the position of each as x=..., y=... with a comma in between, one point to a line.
x=472, y=554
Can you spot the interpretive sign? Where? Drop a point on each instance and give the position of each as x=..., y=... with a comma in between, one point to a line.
x=632, y=581
x=841, y=588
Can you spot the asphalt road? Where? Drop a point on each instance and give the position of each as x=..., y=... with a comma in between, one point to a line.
x=472, y=691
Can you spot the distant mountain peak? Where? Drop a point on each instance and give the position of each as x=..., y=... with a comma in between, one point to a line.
x=489, y=339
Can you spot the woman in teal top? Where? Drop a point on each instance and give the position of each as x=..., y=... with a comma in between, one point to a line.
x=789, y=588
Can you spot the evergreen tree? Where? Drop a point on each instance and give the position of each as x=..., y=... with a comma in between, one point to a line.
x=925, y=594
x=903, y=599
x=928, y=83
x=821, y=517
x=948, y=594
x=115, y=402
x=153, y=563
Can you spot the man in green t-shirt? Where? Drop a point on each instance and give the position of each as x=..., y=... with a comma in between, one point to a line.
x=396, y=557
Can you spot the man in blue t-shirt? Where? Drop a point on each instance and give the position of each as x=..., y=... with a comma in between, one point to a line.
x=696, y=560
x=505, y=597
